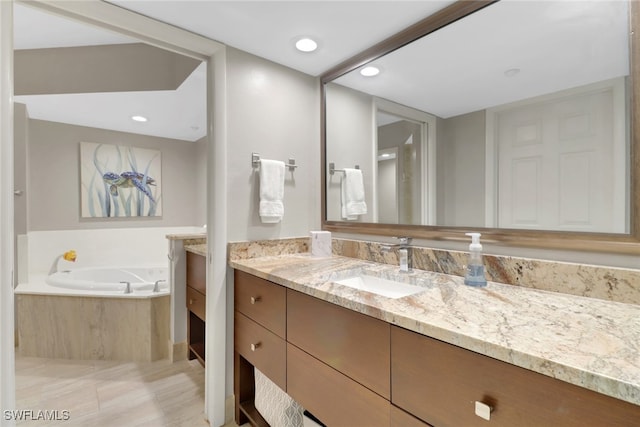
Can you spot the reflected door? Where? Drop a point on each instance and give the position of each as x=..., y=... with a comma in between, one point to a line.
x=562, y=171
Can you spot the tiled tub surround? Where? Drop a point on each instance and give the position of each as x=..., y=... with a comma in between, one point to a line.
x=77, y=324
x=99, y=328
x=588, y=342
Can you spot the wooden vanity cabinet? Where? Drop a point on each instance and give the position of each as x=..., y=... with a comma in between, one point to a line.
x=331, y=396
x=441, y=383
x=259, y=341
x=349, y=369
x=333, y=361
x=350, y=342
x=196, y=305
x=400, y=418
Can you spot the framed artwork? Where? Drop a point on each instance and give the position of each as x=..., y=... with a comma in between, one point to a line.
x=120, y=181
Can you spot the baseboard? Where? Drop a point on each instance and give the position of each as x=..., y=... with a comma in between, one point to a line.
x=178, y=351
x=229, y=409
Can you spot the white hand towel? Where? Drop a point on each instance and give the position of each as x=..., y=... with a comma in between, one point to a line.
x=352, y=191
x=271, y=190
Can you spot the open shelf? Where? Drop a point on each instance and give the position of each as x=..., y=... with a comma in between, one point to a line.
x=248, y=408
x=195, y=336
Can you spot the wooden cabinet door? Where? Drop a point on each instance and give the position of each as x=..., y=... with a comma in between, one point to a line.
x=262, y=348
x=334, y=398
x=197, y=303
x=262, y=301
x=353, y=343
x=400, y=418
x=197, y=272
x=440, y=383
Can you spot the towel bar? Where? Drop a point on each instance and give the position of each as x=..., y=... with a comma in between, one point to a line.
x=255, y=162
x=332, y=168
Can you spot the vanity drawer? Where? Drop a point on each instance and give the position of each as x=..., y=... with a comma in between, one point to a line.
x=197, y=303
x=400, y=418
x=440, y=383
x=352, y=343
x=262, y=348
x=332, y=397
x=261, y=300
x=197, y=272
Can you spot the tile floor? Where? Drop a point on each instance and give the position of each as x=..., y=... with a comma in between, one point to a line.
x=105, y=393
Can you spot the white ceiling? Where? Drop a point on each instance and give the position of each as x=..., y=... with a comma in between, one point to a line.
x=265, y=28
x=269, y=28
x=461, y=68
x=456, y=61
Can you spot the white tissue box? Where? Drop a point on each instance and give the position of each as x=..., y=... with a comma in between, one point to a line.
x=321, y=243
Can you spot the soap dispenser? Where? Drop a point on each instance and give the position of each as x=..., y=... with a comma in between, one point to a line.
x=475, y=266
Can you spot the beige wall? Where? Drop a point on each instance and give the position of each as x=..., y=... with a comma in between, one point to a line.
x=105, y=68
x=54, y=177
x=461, y=170
x=274, y=111
x=201, y=182
x=20, y=137
x=350, y=142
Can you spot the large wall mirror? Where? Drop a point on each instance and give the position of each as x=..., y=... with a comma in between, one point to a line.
x=513, y=118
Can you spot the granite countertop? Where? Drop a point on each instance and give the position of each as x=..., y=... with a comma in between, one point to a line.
x=198, y=249
x=588, y=342
x=186, y=236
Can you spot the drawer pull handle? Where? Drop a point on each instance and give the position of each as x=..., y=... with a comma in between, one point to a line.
x=255, y=300
x=483, y=410
x=190, y=301
x=255, y=346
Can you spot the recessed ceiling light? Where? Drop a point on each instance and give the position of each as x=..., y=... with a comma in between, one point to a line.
x=305, y=44
x=139, y=118
x=370, y=71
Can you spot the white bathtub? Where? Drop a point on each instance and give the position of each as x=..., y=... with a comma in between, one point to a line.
x=94, y=318
x=142, y=279
x=100, y=282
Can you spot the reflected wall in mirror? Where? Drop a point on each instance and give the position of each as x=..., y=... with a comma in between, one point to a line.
x=486, y=126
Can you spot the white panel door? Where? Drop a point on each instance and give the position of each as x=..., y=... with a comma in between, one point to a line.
x=558, y=168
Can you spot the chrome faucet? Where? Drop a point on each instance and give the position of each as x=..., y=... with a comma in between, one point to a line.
x=404, y=243
x=127, y=288
x=156, y=287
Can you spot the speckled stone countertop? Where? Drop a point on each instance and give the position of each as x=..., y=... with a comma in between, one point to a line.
x=198, y=249
x=190, y=236
x=584, y=341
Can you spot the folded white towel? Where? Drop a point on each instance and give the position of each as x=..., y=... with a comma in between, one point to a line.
x=352, y=192
x=271, y=190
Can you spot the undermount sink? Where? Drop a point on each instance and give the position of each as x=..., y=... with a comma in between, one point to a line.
x=377, y=285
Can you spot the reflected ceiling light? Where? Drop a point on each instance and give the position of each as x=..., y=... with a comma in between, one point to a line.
x=370, y=71
x=139, y=118
x=305, y=44
x=385, y=155
x=512, y=72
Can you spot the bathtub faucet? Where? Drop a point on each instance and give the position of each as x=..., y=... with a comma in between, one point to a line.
x=156, y=287
x=127, y=288
x=67, y=256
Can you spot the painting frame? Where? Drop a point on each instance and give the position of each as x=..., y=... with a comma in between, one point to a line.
x=119, y=181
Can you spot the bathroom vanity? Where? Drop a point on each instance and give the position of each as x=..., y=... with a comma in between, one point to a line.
x=356, y=358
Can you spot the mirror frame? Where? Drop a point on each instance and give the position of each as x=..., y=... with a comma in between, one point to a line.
x=561, y=240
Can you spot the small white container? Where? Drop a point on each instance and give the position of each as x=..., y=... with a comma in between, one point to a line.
x=321, y=243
